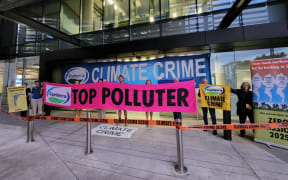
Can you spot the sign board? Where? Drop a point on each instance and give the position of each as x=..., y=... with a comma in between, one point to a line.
x=17, y=99
x=215, y=96
x=161, y=70
x=113, y=131
x=270, y=99
x=169, y=97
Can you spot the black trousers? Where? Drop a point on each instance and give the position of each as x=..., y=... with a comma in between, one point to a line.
x=23, y=113
x=243, y=116
x=47, y=110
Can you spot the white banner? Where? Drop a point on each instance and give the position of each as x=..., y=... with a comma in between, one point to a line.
x=113, y=131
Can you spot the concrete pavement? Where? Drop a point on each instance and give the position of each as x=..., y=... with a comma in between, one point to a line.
x=58, y=153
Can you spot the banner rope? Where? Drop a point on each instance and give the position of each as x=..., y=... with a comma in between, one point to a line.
x=153, y=122
x=14, y=115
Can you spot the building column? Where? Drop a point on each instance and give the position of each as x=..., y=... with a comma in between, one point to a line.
x=87, y=16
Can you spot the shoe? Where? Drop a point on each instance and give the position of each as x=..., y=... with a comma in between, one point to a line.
x=214, y=132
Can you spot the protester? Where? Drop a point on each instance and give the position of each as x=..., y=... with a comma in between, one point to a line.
x=147, y=113
x=28, y=92
x=205, y=111
x=36, y=99
x=78, y=112
x=244, y=104
x=121, y=80
x=46, y=108
x=41, y=92
x=177, y=115
x=100, y=112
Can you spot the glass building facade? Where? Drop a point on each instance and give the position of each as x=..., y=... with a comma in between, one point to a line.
x=98, y=22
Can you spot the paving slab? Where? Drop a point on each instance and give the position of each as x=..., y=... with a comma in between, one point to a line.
x=59, y=153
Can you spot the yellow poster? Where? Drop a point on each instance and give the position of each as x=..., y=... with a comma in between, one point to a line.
x=17, y=99
x=277, y=137
x=215, y=96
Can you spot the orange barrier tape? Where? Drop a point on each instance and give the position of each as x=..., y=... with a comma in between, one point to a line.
x=164, y=123
x=108, y=121
x=155, y=123
x=236, y=126
x=14, y=115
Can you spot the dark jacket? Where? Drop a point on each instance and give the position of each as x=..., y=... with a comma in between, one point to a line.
x=28, y=91
x=243, y=99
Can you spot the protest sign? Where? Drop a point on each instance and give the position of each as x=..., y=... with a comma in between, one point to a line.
x=110, y=130
x=17, y=99
x=270, y=99
x=215, y=96
x=170, y=97
x=159, y=71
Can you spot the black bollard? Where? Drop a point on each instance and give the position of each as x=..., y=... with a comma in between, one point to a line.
x=227, y=120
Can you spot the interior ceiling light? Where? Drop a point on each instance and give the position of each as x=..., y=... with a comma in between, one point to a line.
x=174, y=15
x=110, y=2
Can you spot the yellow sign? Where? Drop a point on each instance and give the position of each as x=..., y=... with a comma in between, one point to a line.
x=17, y=99
x=215, y=96
x=277, y=137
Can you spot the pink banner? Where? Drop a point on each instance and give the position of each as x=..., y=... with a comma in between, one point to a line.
x=170, y=97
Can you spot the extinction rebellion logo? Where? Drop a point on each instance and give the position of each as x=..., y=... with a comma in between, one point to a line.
x=58, y=95
x=77, y=74
x=214, y=90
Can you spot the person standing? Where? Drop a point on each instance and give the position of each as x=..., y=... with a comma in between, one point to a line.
x=205, y=110
x=244, y=104
x=28, y=92
x=121, y=80
x=147, y=113
x=177, y=115
x=100, y=112
x=36, y=99
x=78, y=112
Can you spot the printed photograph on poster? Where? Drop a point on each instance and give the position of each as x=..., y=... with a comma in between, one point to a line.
x=270, y=84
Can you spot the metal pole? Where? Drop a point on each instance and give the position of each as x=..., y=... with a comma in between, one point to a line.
x=30, y=129
x=180, y=168
x=180, y=151
x=88, y=136
x=28, y=132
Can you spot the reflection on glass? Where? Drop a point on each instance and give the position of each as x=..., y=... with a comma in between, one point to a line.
x=51, y=14
x=2, y=74
x=280, y=52
x=254, y=16
x=204, y=6
x=92, y=11
x=143, y=11
x=178, y=8
x=252, y=55
x=222, y=4
x=116, y=13
x=71, y=16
